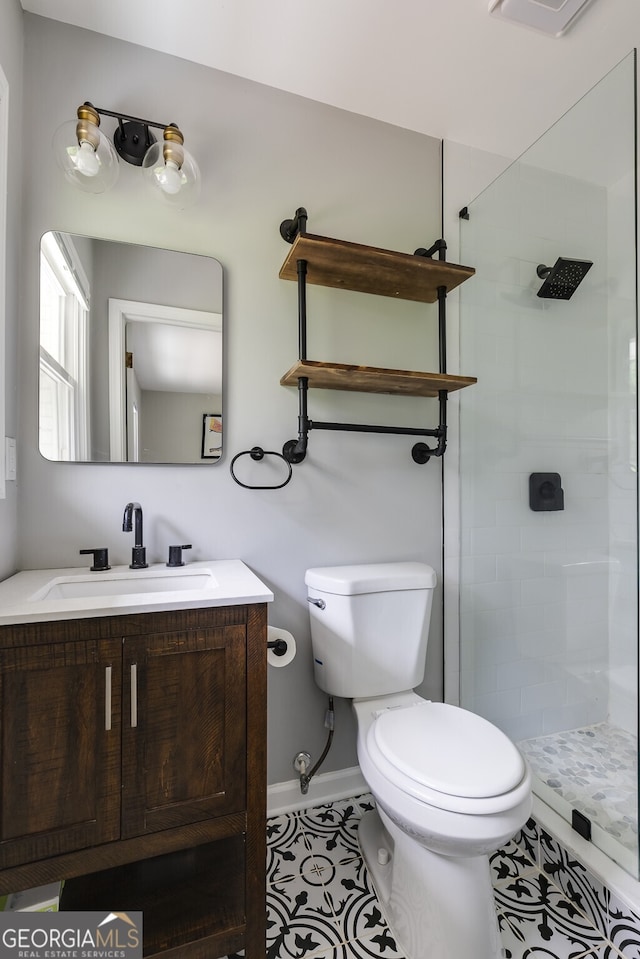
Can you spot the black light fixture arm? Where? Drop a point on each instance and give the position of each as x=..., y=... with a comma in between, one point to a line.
x=133, y=137
x=123, y=116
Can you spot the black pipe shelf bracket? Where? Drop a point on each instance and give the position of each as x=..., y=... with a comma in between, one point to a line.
x=344, y=265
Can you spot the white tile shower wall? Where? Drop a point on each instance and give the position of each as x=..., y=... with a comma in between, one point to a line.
x=622, y=477
x=535, y=594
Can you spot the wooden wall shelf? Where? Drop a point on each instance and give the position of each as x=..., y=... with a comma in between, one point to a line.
x=366, y=269
x=342, y=265
x=373, y=379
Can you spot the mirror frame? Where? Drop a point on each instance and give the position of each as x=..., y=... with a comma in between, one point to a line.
x=128, y=305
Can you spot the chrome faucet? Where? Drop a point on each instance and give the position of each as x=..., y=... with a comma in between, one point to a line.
x=138, y=552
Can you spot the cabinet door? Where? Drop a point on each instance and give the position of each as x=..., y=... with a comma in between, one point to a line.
x=184, y=728
x=60, y=748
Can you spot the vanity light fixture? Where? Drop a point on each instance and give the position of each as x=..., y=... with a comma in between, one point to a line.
x=90, y=161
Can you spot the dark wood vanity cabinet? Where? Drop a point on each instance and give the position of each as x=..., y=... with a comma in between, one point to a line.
x=133, y=765
x=184, y=728
x=60, y=786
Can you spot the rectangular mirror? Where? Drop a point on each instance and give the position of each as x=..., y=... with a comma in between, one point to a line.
x=130, y=353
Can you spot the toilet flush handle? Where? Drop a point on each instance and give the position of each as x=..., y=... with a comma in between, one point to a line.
x=320, y=603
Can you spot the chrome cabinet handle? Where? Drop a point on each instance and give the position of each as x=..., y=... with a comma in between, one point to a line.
x=107, y=698
x=134, y=695
x=320, y=603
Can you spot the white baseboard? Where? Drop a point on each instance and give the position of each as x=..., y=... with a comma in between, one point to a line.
x=325, y=787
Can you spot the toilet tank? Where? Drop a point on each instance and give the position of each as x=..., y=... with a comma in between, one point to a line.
x=369, y=627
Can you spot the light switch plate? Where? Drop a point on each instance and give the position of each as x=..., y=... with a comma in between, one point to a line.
x=10, y=468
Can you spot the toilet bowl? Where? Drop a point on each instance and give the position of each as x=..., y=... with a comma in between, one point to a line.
x=449, y=787
x=444, y=771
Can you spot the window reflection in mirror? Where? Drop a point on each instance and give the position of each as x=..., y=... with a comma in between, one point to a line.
x=130, y=352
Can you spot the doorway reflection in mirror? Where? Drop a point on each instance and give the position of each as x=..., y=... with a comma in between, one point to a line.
x=130, y=352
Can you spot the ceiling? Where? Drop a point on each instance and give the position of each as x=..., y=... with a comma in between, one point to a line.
x=445, y=68
x=174, y=358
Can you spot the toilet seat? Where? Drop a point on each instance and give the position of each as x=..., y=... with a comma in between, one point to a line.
x=447, y=757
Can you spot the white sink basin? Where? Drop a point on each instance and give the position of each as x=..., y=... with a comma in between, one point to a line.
x=40, y=595
x=125, y=583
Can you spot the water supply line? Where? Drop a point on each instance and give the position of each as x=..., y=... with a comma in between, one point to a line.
x=305, y=777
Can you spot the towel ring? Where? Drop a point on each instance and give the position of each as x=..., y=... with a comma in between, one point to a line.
x=257, y=453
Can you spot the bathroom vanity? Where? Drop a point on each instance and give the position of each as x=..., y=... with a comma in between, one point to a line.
x=133, y=753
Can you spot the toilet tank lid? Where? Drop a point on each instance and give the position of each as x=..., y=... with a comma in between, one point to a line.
x=370, y=578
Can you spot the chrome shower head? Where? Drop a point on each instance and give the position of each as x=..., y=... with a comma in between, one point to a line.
x=563, y=278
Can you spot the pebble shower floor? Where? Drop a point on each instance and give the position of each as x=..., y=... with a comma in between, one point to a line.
x=595, y=769
x=321, y=904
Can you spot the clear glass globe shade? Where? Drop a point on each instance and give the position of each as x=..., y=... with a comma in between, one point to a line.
x=93, y=171
x=177, y=186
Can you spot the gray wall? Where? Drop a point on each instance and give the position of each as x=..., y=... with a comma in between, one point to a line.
x=11, y=53
x=171, y=426
x=262, y=153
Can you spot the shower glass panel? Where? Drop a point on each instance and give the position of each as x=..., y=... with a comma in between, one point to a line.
x=548, y=462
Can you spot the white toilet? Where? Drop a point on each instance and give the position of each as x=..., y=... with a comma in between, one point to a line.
x=449, y=786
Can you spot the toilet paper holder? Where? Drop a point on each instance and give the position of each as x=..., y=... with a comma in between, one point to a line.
x=279, y=646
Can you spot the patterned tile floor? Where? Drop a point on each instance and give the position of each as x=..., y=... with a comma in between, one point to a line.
x=595, y=769
x=321, y=903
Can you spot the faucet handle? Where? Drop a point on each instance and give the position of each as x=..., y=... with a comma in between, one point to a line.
x=175, y=555
x=100, y=558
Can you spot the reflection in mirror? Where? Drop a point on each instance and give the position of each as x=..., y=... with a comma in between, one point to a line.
x=130, y=352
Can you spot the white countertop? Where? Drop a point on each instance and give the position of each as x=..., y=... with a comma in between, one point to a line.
x=232, y=583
